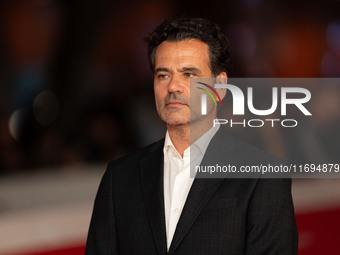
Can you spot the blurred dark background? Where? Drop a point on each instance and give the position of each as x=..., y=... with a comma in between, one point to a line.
x=76, y=91
x=75, y=81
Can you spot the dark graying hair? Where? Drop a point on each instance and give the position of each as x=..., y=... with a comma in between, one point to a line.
x=193, y=28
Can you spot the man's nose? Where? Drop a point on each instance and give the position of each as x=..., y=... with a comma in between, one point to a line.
x=175, y=84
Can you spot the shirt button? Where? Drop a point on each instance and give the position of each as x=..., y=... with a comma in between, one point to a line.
x=177, y=210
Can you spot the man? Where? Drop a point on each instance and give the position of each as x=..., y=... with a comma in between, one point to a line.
x=148, y=204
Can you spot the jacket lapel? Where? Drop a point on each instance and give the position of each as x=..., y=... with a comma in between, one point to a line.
x=202, y=189
x=152, y=188
x=199, y=194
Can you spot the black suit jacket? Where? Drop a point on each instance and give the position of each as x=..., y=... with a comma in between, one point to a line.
x=221, y=216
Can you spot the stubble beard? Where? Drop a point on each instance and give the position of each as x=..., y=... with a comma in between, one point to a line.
x=183, y=115
x=175, y=115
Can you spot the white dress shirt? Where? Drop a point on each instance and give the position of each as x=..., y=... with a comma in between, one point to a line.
x=177, y=181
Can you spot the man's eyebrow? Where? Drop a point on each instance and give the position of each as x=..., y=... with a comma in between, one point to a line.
x=183, y=69
x=162, y=69
x=190, y=69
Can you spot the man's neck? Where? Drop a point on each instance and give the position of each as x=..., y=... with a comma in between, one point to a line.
x=183, y=135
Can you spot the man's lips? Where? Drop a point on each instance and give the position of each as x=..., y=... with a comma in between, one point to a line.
x=175, y=103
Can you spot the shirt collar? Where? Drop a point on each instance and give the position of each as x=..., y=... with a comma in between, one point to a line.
x=201, y=143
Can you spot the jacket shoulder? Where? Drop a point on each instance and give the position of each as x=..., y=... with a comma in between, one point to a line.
x=131, y=161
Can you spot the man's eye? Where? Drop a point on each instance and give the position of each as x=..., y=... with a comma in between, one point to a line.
x=162, y=76
x=189, y=75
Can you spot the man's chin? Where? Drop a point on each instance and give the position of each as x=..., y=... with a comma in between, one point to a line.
x=176, y=121
x=179, y=121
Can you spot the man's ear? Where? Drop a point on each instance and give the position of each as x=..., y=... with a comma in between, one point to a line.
x=222, y=78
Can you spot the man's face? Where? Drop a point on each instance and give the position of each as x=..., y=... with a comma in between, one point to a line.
x=175, y=64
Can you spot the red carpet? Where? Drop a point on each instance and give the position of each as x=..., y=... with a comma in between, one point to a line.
x=77, y=250
x=318, y=234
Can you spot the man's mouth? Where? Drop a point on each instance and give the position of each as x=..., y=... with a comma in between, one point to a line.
x=174, y=103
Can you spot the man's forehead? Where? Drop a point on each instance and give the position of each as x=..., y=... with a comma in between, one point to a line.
x=183, y=54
